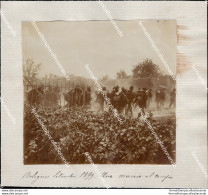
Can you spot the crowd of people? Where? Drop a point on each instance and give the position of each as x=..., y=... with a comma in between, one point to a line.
x=77, y=129
x=125, y=99
x=78, y=96
x=122, y=99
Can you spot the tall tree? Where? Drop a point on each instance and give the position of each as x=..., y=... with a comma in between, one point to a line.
x=30, y=70
x=146, y=69
x=122, y=75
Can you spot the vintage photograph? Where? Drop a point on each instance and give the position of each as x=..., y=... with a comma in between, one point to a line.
x=99, y=92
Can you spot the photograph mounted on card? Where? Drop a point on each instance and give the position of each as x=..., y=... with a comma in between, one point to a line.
x=103, y=95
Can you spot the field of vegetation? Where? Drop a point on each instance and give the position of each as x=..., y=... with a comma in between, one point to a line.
x=77, y=130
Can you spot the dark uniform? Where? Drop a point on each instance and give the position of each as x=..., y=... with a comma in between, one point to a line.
x=88, y=96
x=162, y=98
x=129, y=99
x=158, y=98
x=140, y=100
x=149, y=97
x=172, y=98
x=100, y=99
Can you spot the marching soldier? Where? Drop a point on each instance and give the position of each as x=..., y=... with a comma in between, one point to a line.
x=129, y=98
x=100, y=99
x=140, y=100
x=162, y=98
x=157, y=98
x=149, y=97
x=88, y=96
x=172, y=98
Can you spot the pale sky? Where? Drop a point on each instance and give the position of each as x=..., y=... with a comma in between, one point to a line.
x=98, y=44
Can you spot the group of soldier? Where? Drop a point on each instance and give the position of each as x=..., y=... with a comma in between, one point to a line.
x=122, y=99
x=78, y=96
x=125, y=99
x=43, y=95
x=52, y=96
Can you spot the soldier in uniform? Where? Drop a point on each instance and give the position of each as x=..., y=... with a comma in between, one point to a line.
x=88, y=96
x=129, y=99
x=78, y=96
x=157, y=98
x=149, y=97
x=140, y=100
x=172, y=98
x=162, y=98
x=115, y=90
x=34, y=95
x=69, y=97
x=144, y=97
x=100, y=99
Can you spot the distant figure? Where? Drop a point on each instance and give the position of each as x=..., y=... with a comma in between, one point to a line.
x=162, y=97
x=122, y=102
x=144, y=97
x=88, y=96
x=100, y=99
x=78, y=96
x=140, y=100
x=129, y=98
x=157, y=98
x=115, y=90
x=35, y=96
x=69, y=97
x=114, y=96
x=149, y=97
x=172, y=98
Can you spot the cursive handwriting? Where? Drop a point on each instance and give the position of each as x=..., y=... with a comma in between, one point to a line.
x=91, y=175
x=152, y=175
x=34, y=176
x=62, y=175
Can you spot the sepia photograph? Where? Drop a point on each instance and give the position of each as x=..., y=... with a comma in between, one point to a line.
x=104, y=95
x=91, y=96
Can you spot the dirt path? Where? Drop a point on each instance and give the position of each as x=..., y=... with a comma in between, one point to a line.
x=164, y=112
